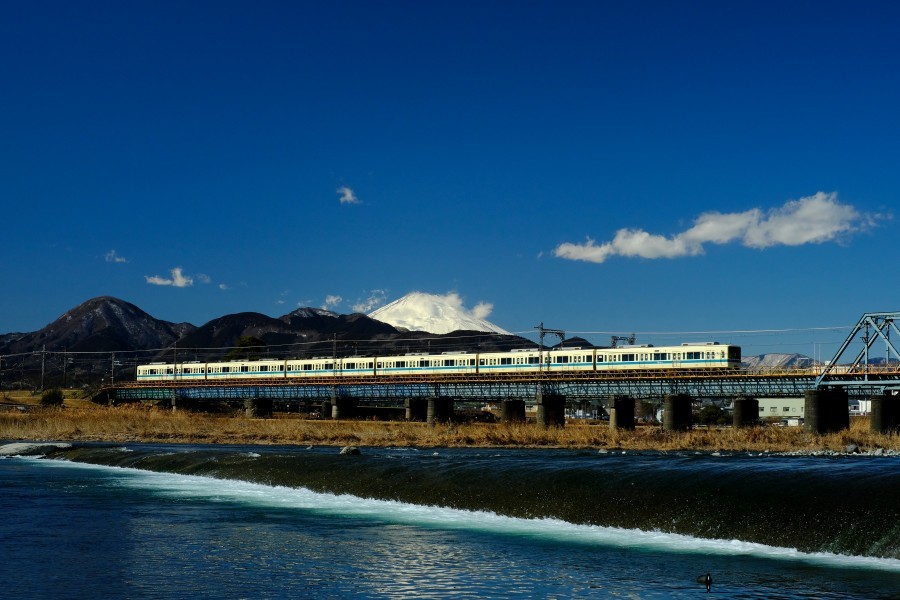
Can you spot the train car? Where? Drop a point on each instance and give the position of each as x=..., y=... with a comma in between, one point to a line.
x=312, y=367
x=418, y=364
x=245, y=369
x=525, y=360
x=158, y=371
x=686, y=356
x=356, y=366
x=563, y=360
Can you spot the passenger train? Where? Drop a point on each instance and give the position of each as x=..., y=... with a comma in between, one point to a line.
x=706, y=355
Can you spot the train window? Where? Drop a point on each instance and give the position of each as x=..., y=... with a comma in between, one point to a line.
x=168, y=371
x=481, y=362
x=506, y=361
x=226, y=369
x=329, y=366
x=263, y=368
x=245, y=369
x=562, y=359
x=534, y=360
x=449, y=362
x=471, y=362
x=400, y=364
x=628, y=357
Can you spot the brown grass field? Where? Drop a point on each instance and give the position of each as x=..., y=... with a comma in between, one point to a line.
x=80, y=420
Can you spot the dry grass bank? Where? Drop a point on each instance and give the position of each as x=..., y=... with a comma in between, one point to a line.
x=86, y=422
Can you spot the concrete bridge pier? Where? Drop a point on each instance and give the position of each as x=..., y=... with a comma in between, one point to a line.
x=826, y=410
x=260, y=408
x=325, y=412
x=551, y=410
x=621, y=413
x=416, y=409
x=677, y=412
x=512, y=411
x=440, y=410
x=745, y=412
x=343, y=407
x=885, y=417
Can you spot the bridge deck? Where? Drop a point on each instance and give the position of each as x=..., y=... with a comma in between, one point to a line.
x=707, y=383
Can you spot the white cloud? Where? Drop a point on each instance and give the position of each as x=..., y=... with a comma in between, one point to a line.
x=347, y=195
x=811, y=220
x=204, y=278
x=331, y=301
x=223, y=286
x=482, y=310
x=112, y=257
x=178, y=279
x=376, y=298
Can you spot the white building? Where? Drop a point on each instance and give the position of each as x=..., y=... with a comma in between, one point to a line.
x=781, y=408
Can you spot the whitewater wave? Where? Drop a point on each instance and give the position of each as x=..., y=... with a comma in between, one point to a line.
x=276, y=497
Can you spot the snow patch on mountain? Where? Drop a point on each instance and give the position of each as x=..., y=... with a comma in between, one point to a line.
x=777, y=360
x=418, y=311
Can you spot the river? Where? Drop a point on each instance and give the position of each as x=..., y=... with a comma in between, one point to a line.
x=167, y=521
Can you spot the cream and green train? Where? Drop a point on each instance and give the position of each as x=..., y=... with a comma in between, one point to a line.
x=705, y=356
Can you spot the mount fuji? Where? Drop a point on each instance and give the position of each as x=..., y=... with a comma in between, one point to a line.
x=418, y=311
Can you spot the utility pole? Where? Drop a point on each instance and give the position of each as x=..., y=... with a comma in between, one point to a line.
x=174, y=373
x=43, y=359
x=542, y=331
x=630, y=339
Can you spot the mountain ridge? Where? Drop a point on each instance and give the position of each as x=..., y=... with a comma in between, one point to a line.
x=109, y=324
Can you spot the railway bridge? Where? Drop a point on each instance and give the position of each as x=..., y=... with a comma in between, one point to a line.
x=344, y=396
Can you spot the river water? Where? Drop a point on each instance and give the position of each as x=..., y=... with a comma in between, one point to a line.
x=160, y=521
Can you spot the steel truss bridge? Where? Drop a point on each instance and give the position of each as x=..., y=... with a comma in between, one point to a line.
x=576, y=387
x=860, y=378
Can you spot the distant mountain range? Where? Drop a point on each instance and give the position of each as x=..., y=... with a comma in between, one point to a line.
x=777, y=360
x=107, y=324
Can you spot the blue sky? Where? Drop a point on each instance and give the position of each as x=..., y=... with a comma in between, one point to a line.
x=683, y=170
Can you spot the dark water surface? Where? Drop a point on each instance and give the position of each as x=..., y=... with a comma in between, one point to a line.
x=156, y=521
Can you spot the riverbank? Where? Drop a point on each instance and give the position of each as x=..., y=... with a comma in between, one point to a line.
x=130, y=424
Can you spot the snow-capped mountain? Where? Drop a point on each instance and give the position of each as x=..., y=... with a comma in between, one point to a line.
x=419, y=311
x=777, y=360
